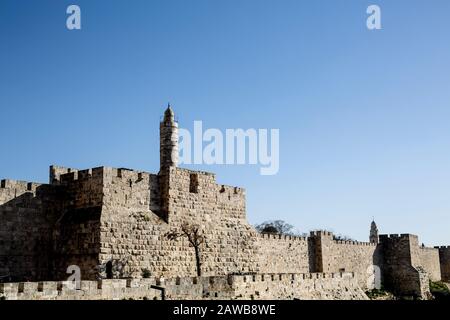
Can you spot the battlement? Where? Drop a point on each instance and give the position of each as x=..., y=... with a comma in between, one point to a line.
x=57, y=171
x=442, y=247
x=181, y=281
x=189, y=171
x=206, y=181
x=21, y=186
x=12, y=189
x=124, y=173
x=282, y=237
x=427, y=249
x=397, y=236
x=175, y=288
x=317, y=233
x=355, y=243
x=101, y=289
x=271, y=277
x=128, y=174
x=230, y=190
x=81, y=175
x=444, y=259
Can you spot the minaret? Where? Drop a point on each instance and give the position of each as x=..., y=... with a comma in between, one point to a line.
x=168, y=140
x=373, y=237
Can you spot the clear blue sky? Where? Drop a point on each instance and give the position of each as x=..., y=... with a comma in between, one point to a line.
x=363, y=115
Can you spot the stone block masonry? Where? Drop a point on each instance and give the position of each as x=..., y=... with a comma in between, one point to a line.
x=89, y=290
x=27, y=214
x=329, y=255
x=430, y=261
x=307, y=286
x=280, y=253
x=340, y=286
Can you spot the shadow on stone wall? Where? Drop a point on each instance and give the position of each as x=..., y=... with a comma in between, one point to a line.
x=41, y=235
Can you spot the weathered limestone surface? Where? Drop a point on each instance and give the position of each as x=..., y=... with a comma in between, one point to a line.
x=279, y=253
x=312, y=286
x=342, y=286
x=344, y=256
x=89, y=290
x=27, y=212
x=429, y=260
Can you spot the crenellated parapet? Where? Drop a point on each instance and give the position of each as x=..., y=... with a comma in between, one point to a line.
x=321, y=233
x=11, y=190
x=282, y=237
x=355, y=243
x=403, y=236
x=330, y=236
x=87, y=290
x=21, y=186
x=81, y=175
x=339, y=285
x=407, y=267
x=258, y=286
x=181, y=188
x=230, y=190
x=134, y=190
x=55, y=173
x=274, y=277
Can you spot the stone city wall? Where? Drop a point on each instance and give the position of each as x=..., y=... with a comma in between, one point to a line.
x=132, y=231
x=444, y=258
x=27, y=215
x=134, y=226
x=195, y=198
x=119, y=217
x=429, y=260
x=77, y=231
x=115, y=289
x=309, y=286
x=341, y=286
x=344, y=256
x=402, y=270
x=283, y=254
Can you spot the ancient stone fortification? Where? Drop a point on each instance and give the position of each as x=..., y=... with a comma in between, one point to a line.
x=114, y=223
x=335, y=286
x=444, y=258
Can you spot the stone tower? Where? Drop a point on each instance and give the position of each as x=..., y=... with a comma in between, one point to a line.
x=373, y=237
x=168, y=135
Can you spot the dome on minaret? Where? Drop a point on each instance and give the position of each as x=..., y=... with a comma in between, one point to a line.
x=373, y=236
x=168, y=132
x=169, y=115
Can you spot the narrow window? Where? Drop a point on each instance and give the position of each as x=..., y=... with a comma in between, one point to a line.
x=193, y=185
x=109, y=271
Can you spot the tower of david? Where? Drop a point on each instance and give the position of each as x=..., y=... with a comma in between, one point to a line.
x=132, y=234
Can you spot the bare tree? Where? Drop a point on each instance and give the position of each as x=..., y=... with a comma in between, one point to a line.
x=343, y=238
x=275, y=227
x=195, y=237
